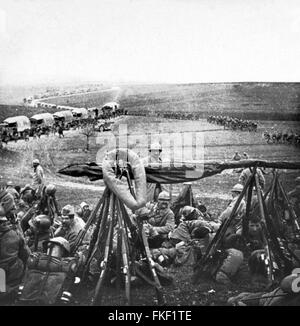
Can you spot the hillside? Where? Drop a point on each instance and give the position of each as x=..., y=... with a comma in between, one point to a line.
x=260, y=101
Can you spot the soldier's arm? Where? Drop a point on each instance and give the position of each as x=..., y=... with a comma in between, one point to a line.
x=170, y=225
x=72, y=236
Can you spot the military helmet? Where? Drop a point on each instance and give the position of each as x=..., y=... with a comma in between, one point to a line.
x=68, y=210
x=187, y=210
x=41, y=222
x=164, y=196
x=10, y=183
x=35, y=162
x=50, y=190
x=61, y=242
x=155, y=147
x=83, y=204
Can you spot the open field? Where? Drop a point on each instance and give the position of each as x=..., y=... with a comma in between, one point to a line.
x=256, y=101
x=264, y=102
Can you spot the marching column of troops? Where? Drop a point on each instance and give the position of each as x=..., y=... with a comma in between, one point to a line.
x=233, y=123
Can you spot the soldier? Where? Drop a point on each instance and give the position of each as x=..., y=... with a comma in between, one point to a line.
x=236, y=157
x=245, y=174
x=10, y=188
x=7, y=201
x=203, y=209
x=71, y=225
x=50, y=277
x=13, y=252
x=161, y=223
x=38, y=232
x=84, y=211
x=245, y=156
x=235, y=191
x=38, y=177
x=154, y=160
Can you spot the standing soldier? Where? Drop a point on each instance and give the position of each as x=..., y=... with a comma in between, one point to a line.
x=154, y=160
x=60, y=131
x=38, y=177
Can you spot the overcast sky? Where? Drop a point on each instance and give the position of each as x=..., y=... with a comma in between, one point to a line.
x=149, y=40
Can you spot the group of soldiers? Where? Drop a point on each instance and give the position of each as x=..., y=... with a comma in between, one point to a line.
x=32, y=227
x=233, y=123
x=282, y=137
x=35, y=235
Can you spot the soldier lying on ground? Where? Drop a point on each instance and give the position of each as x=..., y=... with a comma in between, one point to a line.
x=287, y=294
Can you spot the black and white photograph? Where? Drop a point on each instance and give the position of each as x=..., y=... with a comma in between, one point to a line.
x=150, y=155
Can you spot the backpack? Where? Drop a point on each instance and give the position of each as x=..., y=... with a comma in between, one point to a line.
x=46, y=278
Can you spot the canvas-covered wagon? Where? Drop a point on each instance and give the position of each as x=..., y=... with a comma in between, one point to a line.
x=18, y=126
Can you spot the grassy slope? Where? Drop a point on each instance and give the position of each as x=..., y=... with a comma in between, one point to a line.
x=274, y=101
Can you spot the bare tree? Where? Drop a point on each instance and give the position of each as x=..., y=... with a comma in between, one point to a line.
x=88, y=131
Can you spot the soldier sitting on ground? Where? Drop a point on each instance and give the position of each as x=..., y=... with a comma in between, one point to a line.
x=236, y=224
x=161, y=222
x=50, y=277
x=84, y=212
x=38, y=233
x=71, y=225
x=11, y=189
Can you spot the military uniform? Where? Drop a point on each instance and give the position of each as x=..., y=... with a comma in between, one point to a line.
x=13, y=254
x=71, y=232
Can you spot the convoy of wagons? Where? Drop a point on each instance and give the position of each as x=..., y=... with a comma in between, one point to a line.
x=19, y=127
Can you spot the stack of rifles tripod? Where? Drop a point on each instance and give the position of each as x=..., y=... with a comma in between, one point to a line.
x=120, y=243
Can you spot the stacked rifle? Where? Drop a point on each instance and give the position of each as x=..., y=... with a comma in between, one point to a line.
x=119, y=246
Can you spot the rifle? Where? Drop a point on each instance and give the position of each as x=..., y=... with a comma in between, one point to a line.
x=82, y=233
x=158, y=287
x=125, y=251
x=293, y=215
x=107, y=249
x=282, y=253
x=216, y=243
x=269, y=259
